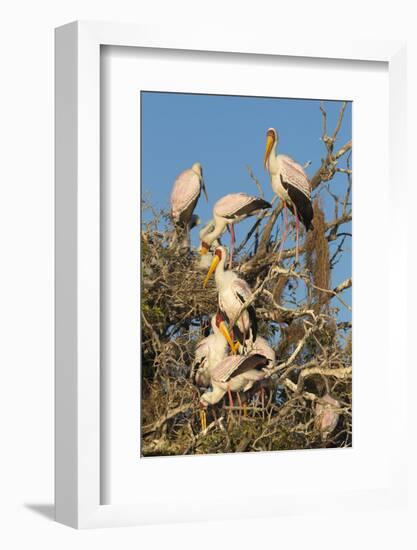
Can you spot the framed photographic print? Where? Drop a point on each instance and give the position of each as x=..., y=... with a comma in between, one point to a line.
x=218, y=317
x=189, y=340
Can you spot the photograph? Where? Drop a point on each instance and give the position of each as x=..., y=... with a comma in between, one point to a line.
x=246, y=273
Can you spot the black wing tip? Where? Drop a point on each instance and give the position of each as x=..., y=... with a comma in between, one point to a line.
x=253, y=321
x=261, y=360
x=255, y=361
x=308, y=218
x=303, y=205
x=265, y=204
x=309, y=225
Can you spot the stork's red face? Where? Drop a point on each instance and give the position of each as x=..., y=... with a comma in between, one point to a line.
x=219, y=318
x=218, y=253
x=271, y=139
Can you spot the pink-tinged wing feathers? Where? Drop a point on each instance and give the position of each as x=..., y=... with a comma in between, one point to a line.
x=224, y=370
x=241, y=287
x=262, y=347
x=200, y=362
x=327, y=415
x=230, y=302
x=202, y=351
x=293, y=174
x=229, y=204
x=186, y=189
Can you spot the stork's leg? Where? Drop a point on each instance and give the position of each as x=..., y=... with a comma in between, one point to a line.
x=262, y=401
x=229, y=393
x=232, y=243
x=188, y=238
x=203, y=419
x=296, y=233
x=285, y=232
x=240, y=405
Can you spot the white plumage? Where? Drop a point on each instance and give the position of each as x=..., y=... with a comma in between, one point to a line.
x=291, y=172
x=233, y=292
x=235, y=374
x=227, y=211
x=260, y=347
x=210, y=351
x=290, y=182
x=185, y=194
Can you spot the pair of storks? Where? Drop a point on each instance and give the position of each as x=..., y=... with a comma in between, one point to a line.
x=238, y=372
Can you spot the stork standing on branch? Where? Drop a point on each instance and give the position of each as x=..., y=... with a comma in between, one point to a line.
x=233, y=293
x=211, y=350
x=209, y=353
x=206, y=258
x=184, y=196
x=229, y=210
x=291, y=184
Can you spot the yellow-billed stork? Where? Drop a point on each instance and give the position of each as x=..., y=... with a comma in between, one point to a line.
x=205, y=259
x=209, y=353
x=290, y=182
x=212, y=349
x=229, y=210
x=184, y=196
x=233, y=292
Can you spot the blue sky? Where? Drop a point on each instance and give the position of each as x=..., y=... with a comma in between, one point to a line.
x=226, y=133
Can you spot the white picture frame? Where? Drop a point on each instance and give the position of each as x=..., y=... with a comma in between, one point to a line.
x=78, y=501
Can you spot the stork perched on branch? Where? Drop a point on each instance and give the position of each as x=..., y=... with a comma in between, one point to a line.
x=206, y=258
x=229, y=210
x=184, y=196
x=233, y=293
x=291, y=184
x=211, y=350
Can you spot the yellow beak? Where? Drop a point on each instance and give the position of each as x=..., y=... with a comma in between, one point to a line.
x=224, y=330
x=213, y=266
x=268, y=148
x=203, y=249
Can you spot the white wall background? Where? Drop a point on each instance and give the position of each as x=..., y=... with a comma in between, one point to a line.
x=26, y=267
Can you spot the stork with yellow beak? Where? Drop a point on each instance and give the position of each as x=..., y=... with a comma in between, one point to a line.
x=205, y=259
x=209, y=352
x=233, y=293
x=290, y=182
x=229, y=210
x=212, y=349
